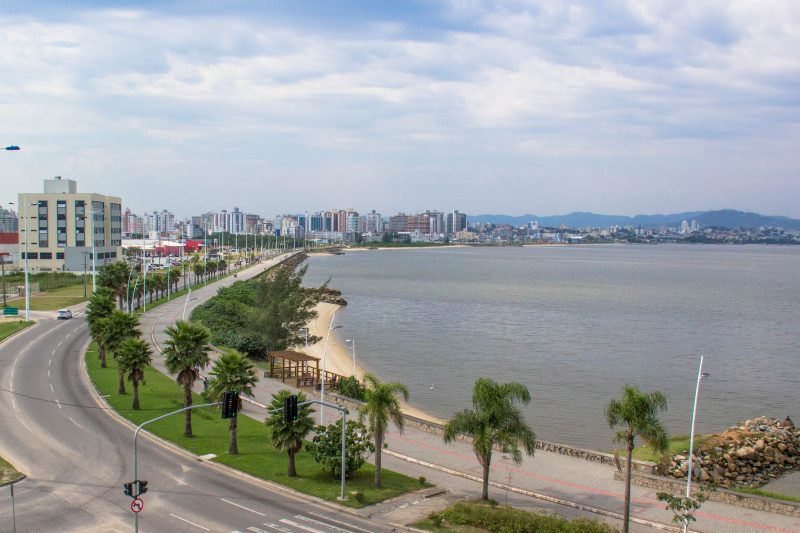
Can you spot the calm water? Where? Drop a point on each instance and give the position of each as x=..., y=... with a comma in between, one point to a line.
x=574, y=324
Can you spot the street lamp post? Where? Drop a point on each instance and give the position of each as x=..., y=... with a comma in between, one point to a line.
x=352, y=342
x=27, y=284
x=331, y=327
x=700, y=375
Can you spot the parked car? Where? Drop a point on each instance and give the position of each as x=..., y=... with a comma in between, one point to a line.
x=64, y=314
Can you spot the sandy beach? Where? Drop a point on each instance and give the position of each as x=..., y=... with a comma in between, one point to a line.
x=340, y=355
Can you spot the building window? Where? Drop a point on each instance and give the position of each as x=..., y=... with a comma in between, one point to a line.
x=43, y=242
x=46, y=255
x=30, y=255
x=59, y=255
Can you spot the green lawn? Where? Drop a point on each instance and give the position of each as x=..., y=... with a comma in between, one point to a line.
x=484, y=517
x=161, y=395
x=7, y=472
x=55, y=299
x=9, y=328
x=767, y=494
x=677, y=445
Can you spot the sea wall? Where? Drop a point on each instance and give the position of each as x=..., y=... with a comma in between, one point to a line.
x=748, y=501
x=562, y=449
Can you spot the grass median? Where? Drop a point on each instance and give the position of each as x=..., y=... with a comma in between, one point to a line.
x=160, y=394
x=9, y=328
x=7, y=472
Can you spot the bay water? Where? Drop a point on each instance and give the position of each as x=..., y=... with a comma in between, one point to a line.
x=575, y=324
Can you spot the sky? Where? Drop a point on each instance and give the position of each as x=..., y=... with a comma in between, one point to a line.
x=616, y=107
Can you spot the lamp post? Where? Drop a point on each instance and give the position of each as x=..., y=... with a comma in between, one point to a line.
x=27, y=284
x=331, y=327
x=700, y=375
x=352, y=343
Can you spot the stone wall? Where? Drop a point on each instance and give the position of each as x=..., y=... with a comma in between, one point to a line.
x=562, y=449
x=748, y=501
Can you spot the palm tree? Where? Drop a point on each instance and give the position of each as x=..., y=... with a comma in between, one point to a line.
x=115, y=277
x=494, y=420
x=289, y=435
x=133, y=356
x=637, y=413
x=381, y=405
x=101, y=304
x=186, y=352
x=174, y=278
x=222, y=265
x=116, y=328
x=231, y=372
x=211, y=266
x=199, y=271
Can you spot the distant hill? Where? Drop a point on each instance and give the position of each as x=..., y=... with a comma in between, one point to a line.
x=729, y=218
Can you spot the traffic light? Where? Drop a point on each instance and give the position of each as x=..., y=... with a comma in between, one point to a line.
x=230, y=404
x=127, y=488
x=141, y=487
x=290, y=408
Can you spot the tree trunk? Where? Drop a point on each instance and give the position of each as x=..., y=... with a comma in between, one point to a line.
x=378, y=449
x=292, y=471
x=101, y=350
x=485, y=490
x=121, y=306
x=628, y=467
x=121, y=383
x=136, y=394
x=233, y=448
x=187, y=402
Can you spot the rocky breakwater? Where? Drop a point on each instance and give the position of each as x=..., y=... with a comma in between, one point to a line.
x=746, y=455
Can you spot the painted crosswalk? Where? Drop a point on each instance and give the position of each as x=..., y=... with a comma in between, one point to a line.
x=305, y=524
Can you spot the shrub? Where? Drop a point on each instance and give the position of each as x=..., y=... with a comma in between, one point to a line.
x=326, y=448
x=500, y=519
x=351, y=388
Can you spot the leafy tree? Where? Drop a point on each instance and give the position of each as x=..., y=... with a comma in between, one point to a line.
x=174, y=278
x=381, y=405
x=289, y=434
x=495, y=420
x=211, y=267
x=222, y=265
x=683, y=507
x=186, y=352
x=117, y=327
x=115, y=277
x=101, y=305
x=326, y=448
x=134, y=356
x=283, y=308
x=352, y=388
x=231, y=372
x=199, y=270
x=637, y=413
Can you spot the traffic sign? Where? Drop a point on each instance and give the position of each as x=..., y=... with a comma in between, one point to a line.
x=137, y=505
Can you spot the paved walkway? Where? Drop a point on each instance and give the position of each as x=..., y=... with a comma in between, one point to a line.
x=552, y=475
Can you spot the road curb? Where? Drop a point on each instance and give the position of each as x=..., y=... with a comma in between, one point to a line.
x=551, y=499
x=23, y=330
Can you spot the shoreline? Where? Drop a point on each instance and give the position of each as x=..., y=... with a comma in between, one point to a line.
x=340, y=355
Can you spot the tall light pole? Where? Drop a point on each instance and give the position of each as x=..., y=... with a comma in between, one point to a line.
x=700, y=375
x=27, y=284
x=324, y=360
x=94, y=251
x=352, y=342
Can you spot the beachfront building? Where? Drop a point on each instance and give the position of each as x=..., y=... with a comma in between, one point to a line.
x=63, y=224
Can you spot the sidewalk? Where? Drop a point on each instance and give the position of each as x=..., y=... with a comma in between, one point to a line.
x=552, y=475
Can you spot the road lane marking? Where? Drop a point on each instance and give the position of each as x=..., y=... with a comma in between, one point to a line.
x=59, y=344
x=188, y=522
x=67, y=336
x=329, y=519
x=301, y=526
x=50, y=362
x=48, y=372
x=52, y=389
x=276, y=527
x=59, y=403
x=319, y=523
x=257, y=530
x=53, y=353
x=73, y=421
x=242, y=507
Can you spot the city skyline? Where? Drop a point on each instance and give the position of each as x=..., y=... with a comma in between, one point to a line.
x=520, y=108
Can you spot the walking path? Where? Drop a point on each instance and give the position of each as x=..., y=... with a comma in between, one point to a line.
x=552, y=476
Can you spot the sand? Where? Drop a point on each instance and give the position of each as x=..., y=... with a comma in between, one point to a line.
x=340, y=355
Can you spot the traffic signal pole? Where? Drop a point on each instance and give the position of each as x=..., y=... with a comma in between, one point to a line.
x=135, y=449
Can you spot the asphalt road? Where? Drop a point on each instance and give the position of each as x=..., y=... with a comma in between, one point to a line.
x=77, y=456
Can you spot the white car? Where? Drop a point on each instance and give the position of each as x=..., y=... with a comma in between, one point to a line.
x=64, y=314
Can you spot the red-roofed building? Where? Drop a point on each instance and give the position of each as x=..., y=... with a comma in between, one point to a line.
x=9, y=249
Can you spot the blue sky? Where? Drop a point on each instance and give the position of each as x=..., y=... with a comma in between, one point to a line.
x=507, y=107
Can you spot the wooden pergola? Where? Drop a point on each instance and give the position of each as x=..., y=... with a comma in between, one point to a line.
x=294, y=365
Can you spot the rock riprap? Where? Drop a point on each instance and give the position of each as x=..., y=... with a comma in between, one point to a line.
x=746, y=455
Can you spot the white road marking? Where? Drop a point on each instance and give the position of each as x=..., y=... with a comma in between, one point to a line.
x=14, y=404
x=52, y=389
x=317, y=522
x=50, y=362
x=257, y=530
x=188, y=522
x=337, y=522
x=59, y=344
x=48, y=372
x=73, y=421
x=53, y=353
x=301, y=526
x=59, y=403
x=276, y=527
x=242, y=507
x=67, y=336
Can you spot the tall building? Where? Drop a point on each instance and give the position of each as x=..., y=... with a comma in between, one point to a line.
x=8, y=221
x=58, y=221
x=455, y=222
